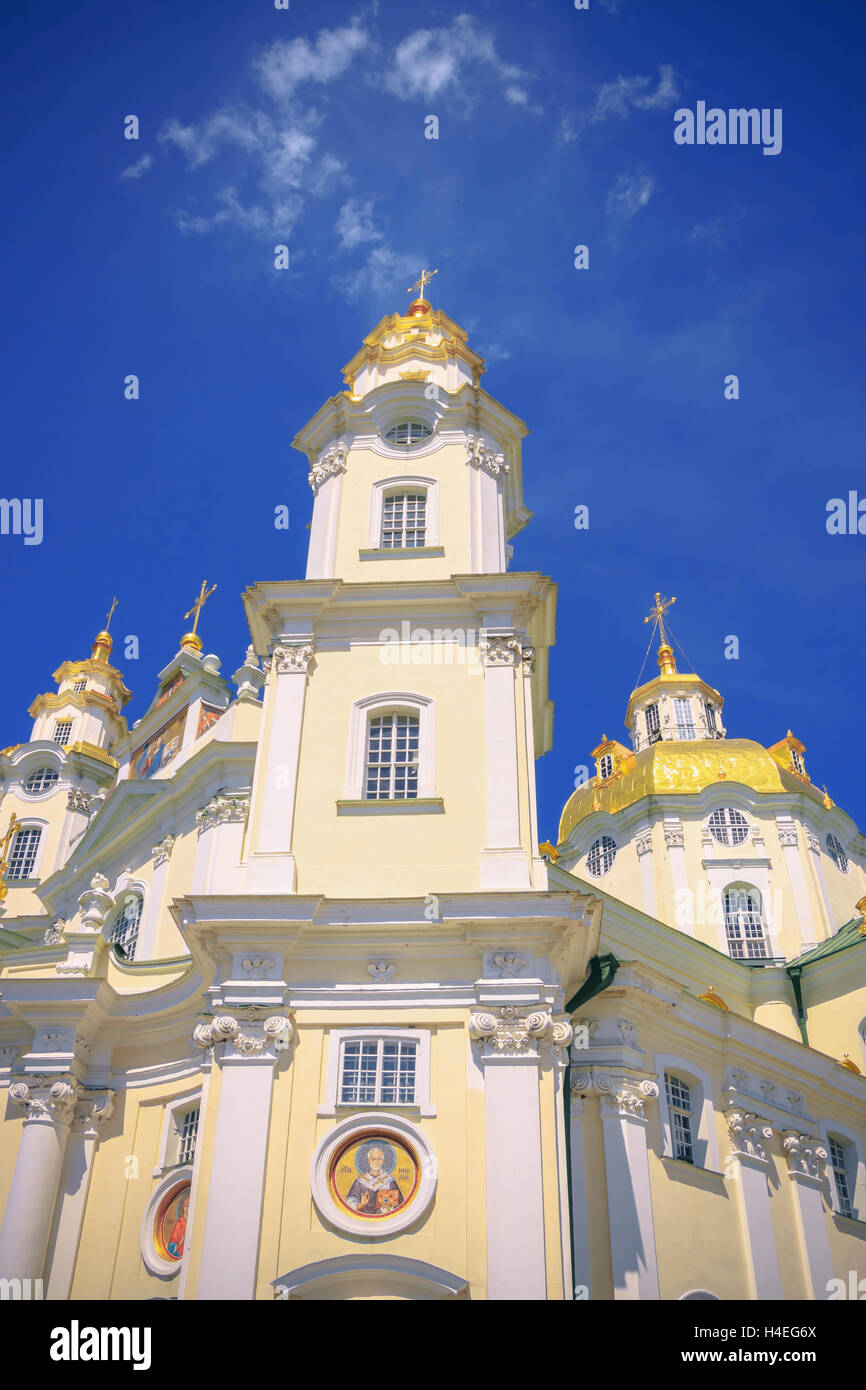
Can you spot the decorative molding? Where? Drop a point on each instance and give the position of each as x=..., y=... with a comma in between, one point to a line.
x=162, y=851
x=55, y=1101
x=224, y=807
x=644, y=844
x=805, y=1153
x=95, y=904
x=622, y=1094
x=674, y=838
x=257, y=967
x=749, y=1134
x=328, y=465
x=788, y=836
x=260, y=1039
x=813, y=842
x=381, y=971
x=53, y=935
x=510, y=1032
x=94, y=1112
x=293, y=660
x=509, y=964
x=500, y=649
x=481, y=455
x=78, y=800
x=527, y=656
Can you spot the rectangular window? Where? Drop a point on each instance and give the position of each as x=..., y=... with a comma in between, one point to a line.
x=22, y=856
x=679, y=1099
x=799, y=765
x=377, y=1071
x=653, y=728
x=711, y=721
x=79, y=687
x=187, y=1134
x=404, y=521
x=62, y=731
x=840, y=1176
x=744, y=926
x=684, y=720
x=392, y=758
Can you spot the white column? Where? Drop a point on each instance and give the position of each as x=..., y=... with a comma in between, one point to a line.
x=504, y=863
x=749, y=1136
x=272, y=865
x=789, y=841
x=675, y=843
x=806, y=1157
x=580, y=1228
x=75, y=1185
x=326, y=480
x=33, y=1194
x=508, y=1044
x=644, y=847
x=623, y=1100
x=487, y=512
x=147, y=933
x=233, y=1215
x=814, y=844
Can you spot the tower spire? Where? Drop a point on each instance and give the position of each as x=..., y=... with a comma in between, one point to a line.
x=192, y=639
x=656, y=615
x=103, y=642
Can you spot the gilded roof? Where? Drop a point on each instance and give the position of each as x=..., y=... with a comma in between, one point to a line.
x=674, y=765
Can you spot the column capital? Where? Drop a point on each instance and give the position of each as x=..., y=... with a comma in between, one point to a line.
x=162, y=851
x=293, y=659
x=500, y=648
x=510, y=1032
x=623, y=1094
x=805, y=1155
x=328, y=464
x=255, y=1036
x=482, y=455
x=225, y=806
x=93, y=1112
x=46, y=1098
x=749, y=1134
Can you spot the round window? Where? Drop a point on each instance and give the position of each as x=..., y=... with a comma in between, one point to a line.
x=837, y=853
x=41, y=779
x=728, y=826
x=408, y=432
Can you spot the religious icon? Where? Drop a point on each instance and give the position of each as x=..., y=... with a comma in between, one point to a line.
x=159, y=750
x=170, y=1225
x=208, y=716
x=169, y=689
x=374, y=1174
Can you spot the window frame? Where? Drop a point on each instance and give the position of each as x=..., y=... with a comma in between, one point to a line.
x=853, y=1148
x=379, y=1080
x=705, y=1143
x=44, y=790
x=835, y=855
x=599, y=840
x=409, y=482
x=728, y=810
x=690, y=728
x=67, y=723
x=131, y=890
x=28, y=823
x=338, y=1036
x=168, y=1158
x=750, y=889
x=412, y=443
x=605, y=767
x=391, y=702
x=653, y=735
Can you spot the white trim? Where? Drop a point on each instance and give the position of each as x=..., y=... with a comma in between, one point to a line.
x=705, y=1141
x=385, y=1122
x=155, y=1263
x=858, y=1185
x=169, y=1142
x=383, y=1276
x=30, y=823
x=408, y=480
x=336, y=1039
x=401, y=701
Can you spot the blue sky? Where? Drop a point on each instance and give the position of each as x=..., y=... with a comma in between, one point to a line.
x=306, y=127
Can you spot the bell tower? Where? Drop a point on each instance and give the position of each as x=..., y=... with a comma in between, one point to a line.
x=406, y=699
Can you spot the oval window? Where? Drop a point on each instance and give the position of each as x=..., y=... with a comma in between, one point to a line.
x=408, y=432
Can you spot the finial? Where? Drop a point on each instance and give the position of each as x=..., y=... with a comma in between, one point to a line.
x=102, y=642
x=656, y=615
x=420, y=305
x=828, y=803
x=191, y=640
x=860, y=906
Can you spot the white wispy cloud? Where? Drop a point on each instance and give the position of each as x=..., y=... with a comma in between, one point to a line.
x=141, y=166
x=380, y=274
x=355, y=223
x=433, y=62
x=626, y=93
x=284, y=65
x=630, y=193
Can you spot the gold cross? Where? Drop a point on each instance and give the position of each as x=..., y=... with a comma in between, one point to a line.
x=4, y=851
x=424, y=279
x=657, y=612
x=110, y=612
x=200, y=603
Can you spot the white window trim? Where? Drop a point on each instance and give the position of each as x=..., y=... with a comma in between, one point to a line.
x=156, y=1263
x=63, y=719
x=858, y=1185
x=705, y=1143
x=421, y=1105
x=125, y=884
x=30, y=823
x=174, y=1111
x=389, y=701
x=404, y=480
x=720, y=844
x=36, y=764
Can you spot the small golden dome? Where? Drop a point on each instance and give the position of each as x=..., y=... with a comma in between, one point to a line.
x=849, y=1065
x=192, y=641
x=102, y=645
x=418, y=309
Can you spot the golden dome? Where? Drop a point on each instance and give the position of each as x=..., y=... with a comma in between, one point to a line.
x=676, y=766
x=102, y=645
x=418, y=308
x=192, y=641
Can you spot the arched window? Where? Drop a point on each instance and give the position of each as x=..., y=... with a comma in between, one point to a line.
x=124, y=933
x=404, y=520
x=408, y=432
x=744, y=923
x=602, y=853
x=679, y=1100
x=391, y=769
x=22, y=855
x=728, y=826
x=653, y=728
x=843, y=1171
x=837, y=853
x=41, y=779
x=605, y=766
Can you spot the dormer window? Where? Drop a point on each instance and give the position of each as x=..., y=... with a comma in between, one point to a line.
x=404, y=520
x=684, y=719
x=712, y=726
x=605, y=767
x=797, y=760
x=407, y=433
x=79, y=687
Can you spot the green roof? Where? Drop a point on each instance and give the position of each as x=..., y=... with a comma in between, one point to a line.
x=846, y=936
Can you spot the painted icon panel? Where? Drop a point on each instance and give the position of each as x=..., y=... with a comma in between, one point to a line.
x=169, y=1232
x=159, y=750
x=374, y=1174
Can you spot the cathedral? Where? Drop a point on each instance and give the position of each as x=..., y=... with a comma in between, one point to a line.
x=296, y=1004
